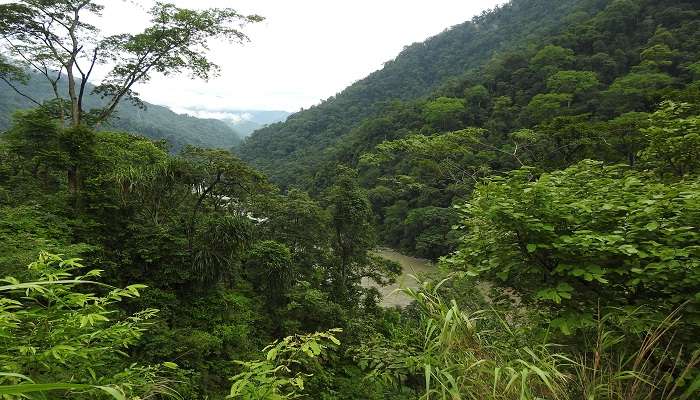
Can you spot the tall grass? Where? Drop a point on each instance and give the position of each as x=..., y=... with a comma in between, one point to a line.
x=614, y=369
x=480, y=355
x=460, y=361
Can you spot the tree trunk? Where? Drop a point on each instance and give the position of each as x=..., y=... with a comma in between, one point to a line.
x=74, y=103
x=73, y=180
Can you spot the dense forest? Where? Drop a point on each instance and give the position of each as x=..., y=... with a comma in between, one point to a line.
x=583, y=89
x=545, y=154
x=293, y=151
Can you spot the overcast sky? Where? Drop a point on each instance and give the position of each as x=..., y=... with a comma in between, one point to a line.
x=305, y=50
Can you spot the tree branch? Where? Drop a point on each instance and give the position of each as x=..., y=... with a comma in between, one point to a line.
x=9, y=83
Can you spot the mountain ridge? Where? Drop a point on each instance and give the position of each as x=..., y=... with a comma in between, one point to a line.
x=153, y=121
x=417, y=71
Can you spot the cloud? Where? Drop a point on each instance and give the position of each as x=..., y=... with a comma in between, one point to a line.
x=234, y=117
x=305, y=50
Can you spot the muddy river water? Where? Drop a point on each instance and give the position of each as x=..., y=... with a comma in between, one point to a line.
x=410, y=266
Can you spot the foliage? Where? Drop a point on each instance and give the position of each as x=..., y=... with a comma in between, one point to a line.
x=586, y=235
x=352, y=233
x=455, y=357
x=54, y=332
x=269, y=267
x=486, y=354
x=674, y=139
x=610, y=370
x=274, y=377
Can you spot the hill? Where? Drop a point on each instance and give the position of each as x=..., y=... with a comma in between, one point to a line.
x=288, y=151
x=581, y=86
x=155, y=122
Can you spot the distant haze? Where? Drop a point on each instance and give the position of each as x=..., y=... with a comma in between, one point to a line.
x=244, y=122
x=305, y=51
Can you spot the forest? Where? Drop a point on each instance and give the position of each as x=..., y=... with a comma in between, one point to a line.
x=544, y=155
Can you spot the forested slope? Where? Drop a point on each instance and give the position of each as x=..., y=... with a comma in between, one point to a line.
x=587, y=93
x=155, y=122
x=582, y=90
x=290, y=152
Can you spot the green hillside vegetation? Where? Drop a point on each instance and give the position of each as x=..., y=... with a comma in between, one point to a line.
x=152, y=121
x=292, y=152
x=584, y=90
x=554, y=174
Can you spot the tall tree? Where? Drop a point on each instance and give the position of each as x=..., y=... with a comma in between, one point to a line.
x=353, y=234
x=52, y=38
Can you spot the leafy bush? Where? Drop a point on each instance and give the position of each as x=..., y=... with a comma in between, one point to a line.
x=57, y=337
x=586, y=236
x=278, y=376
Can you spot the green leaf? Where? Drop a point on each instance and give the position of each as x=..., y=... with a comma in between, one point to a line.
x=272, y=354
x=651, y=226
x=170, y=365
x=692, y=389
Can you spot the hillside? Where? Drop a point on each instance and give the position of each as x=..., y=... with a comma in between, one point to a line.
x=290, y=152
x=541, y=164
x=583, y=79
x=155, y=122
x=586, y=93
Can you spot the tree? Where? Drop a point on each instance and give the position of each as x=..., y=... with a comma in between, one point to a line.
x=430, y=230
x=574, y=83
x=674, y=139
x=218, y=177
x=352, y=231
x=297, y=220
x=270, y=269
x=219, y=223
x=659, y=57
x=477, y=99
x=34, y=137
x=457, y=157
x=444, y=113
x=278, y=375
x=552, y=58
x=637, y=91
x=543, y=107
x=624, y=135
x=53, y=38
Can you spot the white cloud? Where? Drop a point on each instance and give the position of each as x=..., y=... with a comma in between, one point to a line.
x=305, y=50
x=235, y=117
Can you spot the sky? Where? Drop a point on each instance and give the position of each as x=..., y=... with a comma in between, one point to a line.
x=305, y=50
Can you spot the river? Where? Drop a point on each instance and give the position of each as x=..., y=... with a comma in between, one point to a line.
x=410, y=266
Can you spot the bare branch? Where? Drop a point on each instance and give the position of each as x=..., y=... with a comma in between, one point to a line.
x=9, y=83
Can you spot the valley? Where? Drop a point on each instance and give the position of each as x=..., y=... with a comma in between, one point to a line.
x=531, y=174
